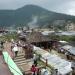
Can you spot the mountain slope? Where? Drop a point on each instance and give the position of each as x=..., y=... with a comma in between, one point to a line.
x=28, y=14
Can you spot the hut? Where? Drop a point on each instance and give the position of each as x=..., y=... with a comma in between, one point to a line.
x=36, y=38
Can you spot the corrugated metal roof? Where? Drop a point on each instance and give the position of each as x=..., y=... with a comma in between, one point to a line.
x=56, y=62
x=72, y=50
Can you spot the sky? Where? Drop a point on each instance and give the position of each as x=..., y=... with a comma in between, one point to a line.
x=61, y=6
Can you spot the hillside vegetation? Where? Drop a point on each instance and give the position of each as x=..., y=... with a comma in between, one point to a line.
x=32, y=15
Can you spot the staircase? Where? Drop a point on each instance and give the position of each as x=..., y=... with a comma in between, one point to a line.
x=20, y=59
x=22, y=63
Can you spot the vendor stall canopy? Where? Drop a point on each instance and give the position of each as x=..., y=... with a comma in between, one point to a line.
x=63, y=66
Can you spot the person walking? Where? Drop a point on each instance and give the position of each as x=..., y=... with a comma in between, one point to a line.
x=2, y=44
x=15, y=50
x=35, y=59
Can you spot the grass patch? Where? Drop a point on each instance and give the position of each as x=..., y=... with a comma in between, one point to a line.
x=9, y=36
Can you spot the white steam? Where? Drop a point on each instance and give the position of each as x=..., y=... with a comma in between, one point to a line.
x=33, y=22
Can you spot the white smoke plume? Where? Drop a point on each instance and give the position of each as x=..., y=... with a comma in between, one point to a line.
x=33, y=23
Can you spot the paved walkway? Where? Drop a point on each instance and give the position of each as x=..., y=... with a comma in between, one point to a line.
x=7, y=47
x=25, y=67
x=4, y=70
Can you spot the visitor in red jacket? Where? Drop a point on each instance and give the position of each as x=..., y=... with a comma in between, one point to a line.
x=33, y=70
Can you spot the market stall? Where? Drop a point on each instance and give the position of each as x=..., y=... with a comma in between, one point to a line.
x=63, y=66
x=70, y=50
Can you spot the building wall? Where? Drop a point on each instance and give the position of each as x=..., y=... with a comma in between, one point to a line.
x=70, y=27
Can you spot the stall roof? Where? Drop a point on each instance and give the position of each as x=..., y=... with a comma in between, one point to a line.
x=69, y=48
x=66, y=47
x=47, y=32
x=72, y=50
x=66, y=33
x=63, y=41
x=56, y=62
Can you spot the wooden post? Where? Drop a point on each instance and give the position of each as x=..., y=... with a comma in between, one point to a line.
x=47, y=45
x=46, y=62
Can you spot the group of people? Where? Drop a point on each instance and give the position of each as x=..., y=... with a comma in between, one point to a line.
x=34, y=68
x=38, y=70
x=14, y=47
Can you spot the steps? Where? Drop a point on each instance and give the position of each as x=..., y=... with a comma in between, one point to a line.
x=19, y=59
x=20, y=62
x=23, y=64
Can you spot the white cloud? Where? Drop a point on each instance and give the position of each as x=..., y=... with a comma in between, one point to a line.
x=71, y=12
